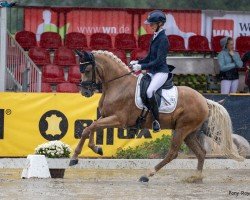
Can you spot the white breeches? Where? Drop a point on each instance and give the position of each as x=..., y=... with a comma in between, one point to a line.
x=157, y=80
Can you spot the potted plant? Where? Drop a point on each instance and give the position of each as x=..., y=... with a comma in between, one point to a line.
x=52, y=150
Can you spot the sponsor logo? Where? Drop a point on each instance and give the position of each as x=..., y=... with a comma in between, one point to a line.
x=53, y=125
x=223, y=27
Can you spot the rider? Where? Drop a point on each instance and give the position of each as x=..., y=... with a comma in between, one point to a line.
x=155, y=62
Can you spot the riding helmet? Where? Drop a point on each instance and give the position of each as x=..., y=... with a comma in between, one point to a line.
x=155, y=17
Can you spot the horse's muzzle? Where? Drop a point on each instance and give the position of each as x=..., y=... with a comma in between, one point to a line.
x=86, y=92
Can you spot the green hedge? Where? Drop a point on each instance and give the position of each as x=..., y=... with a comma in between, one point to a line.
x=153, y=149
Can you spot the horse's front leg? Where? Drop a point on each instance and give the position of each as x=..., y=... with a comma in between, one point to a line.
x=78, y=150
x=101, y=123
x=107, y=122
x=92, y=145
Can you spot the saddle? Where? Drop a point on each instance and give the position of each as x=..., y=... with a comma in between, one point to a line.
x=166, y=90
x=144, y=84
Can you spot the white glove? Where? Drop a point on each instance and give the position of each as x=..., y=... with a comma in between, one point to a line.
x=136, y=67
x=133, y=62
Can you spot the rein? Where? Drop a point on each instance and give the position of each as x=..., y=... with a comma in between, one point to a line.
x=116, y=77
x=95, y=70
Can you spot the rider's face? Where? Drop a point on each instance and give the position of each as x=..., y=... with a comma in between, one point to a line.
x=153, y=26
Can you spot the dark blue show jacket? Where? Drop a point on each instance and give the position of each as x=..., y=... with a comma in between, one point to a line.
x=155, y=61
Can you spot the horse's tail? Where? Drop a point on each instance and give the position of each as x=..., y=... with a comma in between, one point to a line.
x=220, y=130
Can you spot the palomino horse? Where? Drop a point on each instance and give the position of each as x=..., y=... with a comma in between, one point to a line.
x=118, y=110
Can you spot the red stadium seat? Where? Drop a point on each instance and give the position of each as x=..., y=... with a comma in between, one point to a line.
x=64, y=57
x=100, y=41
x=50, y=40
x=26, y=39
x=243, y=44
x=74, y=74
x=120, y=54
x=125, y=41
x=40, y=56
x=45, y=87
x=52, y=74
x=138, y=54
x=177, y=43
x=144, y=41
x=198, y=43
x=67, y=88
x=216, y=43
x=75, y=40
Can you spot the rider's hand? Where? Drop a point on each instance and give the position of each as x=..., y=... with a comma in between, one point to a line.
x=133, y=62
x=136, y=67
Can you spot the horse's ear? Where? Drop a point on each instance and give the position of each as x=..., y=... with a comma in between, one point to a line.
x=85, y=56
x=79, y=53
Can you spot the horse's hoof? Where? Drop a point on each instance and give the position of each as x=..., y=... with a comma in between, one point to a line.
x=99, y=151
x=144, y=179
x=73, y=162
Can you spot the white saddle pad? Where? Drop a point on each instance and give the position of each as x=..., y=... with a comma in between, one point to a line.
x=168, y=102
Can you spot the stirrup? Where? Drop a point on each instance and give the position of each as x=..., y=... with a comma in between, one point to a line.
x=156, y=126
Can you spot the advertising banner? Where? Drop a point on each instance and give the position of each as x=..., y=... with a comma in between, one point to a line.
x=30, y=119
x=185, y=23
x=110, y=21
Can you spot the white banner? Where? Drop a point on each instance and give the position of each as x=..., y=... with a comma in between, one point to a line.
x=227, y=23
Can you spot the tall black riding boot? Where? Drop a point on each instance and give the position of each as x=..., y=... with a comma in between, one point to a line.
x=155, y=112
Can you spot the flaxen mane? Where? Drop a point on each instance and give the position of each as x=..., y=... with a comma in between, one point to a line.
x=112, y=57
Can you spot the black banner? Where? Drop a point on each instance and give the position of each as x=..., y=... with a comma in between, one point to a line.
x=238, y=107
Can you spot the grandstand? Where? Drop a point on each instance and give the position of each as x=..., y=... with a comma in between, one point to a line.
x=46, y=61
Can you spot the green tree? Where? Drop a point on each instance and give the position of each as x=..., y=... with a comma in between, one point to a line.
x=241, y=5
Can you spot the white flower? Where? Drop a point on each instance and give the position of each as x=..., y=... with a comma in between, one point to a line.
x=53, y=149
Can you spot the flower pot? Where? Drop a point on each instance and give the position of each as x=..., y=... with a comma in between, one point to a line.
x=57, y=173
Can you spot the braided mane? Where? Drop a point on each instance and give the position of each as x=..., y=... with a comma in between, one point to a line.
x=112, y=57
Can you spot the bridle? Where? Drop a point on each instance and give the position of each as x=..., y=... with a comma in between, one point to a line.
x=92, y=85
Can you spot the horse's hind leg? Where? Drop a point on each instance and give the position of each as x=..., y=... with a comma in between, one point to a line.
x=178, y=137
x=193, y=143
x=172, y=154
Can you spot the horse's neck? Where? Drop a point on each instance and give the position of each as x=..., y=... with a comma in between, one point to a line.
x=121, y=83
x=121, y=88
x=112, y=71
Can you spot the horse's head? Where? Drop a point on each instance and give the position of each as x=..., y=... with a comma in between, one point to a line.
x=88, y=72
x=100, y=68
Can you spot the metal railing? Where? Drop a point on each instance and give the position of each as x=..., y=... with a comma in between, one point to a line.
x=10, y=82
x=20, y=69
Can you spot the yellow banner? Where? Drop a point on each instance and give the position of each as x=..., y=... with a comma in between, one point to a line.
x=29, y=119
